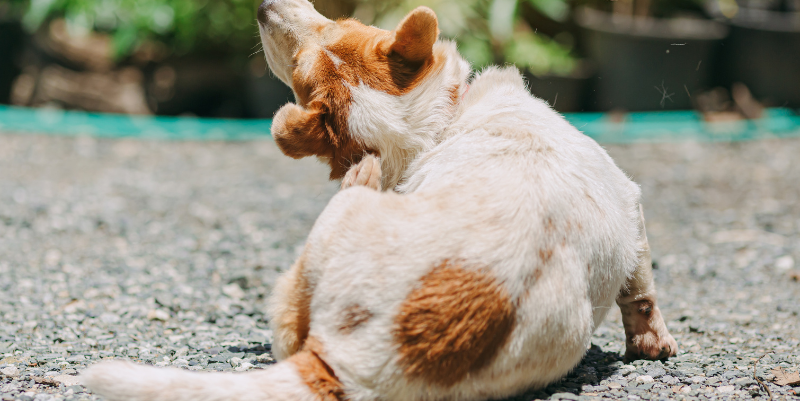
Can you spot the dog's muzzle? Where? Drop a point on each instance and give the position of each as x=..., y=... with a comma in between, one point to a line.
x=263, y=9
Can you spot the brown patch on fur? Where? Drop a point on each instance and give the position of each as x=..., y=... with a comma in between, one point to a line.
x=390, y=62
x=316, y=374
x=644, y=307
x=416, y=34
x=528, y=282
x=545, y=255
x=549, y=226
x=452, y=324
x=645, y=334
x=297, y=318
x=454, y=98
x=354, y=316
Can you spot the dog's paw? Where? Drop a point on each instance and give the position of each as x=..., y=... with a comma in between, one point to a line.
x=366, y=173
x=646, y=333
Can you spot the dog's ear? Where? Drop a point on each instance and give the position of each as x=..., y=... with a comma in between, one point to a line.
x=415, y=35
x=301, y=132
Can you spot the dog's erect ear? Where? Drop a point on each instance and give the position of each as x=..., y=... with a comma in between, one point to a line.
x=415, y=35
x=300, y=132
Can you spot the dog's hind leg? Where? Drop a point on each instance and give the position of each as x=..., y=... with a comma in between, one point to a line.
x=646, y=334
x=289, y=310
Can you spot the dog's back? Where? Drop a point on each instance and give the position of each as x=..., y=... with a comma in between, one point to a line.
x=515, y=200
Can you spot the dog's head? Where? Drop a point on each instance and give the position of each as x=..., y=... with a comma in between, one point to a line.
x=347, y=78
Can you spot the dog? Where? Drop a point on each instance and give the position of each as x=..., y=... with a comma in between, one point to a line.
x=477, y=241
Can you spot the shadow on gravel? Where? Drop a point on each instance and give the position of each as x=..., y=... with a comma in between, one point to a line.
x=596, y=365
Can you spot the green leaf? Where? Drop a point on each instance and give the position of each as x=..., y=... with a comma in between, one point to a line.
x=124, y=40
x=501, y=19
x=540, y=55
x=36, y=14
x=477, y=51
x=557, y=10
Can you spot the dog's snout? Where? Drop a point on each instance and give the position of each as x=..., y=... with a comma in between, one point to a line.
x=262, y=10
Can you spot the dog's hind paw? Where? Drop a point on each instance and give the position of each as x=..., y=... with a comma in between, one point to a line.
x=646, y=333
x=367, y=173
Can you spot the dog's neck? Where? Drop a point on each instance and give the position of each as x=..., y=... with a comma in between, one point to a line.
x=401, y=127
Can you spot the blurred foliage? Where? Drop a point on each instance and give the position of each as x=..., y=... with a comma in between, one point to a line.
x=655, y=8
x=185, y=25
x=494, y=32
x=488, y=31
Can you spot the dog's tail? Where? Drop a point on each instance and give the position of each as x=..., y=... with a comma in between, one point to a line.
x=126, y=381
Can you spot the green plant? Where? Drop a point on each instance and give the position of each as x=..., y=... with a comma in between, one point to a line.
x=498, y=35
x=183, y=24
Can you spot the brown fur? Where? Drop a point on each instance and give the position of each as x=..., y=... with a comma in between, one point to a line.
x=545, y=255
x=317, y=375
x=641, y=321
x=529, y=282
x=435, y=331
x=297, y=318
x=354, y=316
x=391, y=62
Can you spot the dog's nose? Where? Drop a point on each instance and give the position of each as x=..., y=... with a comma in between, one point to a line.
x=262, y=10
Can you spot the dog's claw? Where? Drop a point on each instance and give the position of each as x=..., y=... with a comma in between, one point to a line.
x=367, y=173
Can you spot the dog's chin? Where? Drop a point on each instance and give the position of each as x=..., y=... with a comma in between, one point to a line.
x=279, y=62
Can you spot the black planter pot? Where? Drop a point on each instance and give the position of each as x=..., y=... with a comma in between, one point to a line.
x=565, y=94
x=265, y=93
x=763, y=52
x=11, y=38
x=647, y=63
x=200, y=86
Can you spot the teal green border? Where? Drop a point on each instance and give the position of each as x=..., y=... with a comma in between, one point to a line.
x=73, y=123
x=667, y=126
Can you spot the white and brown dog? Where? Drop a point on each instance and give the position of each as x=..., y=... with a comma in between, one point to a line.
x=471, y=252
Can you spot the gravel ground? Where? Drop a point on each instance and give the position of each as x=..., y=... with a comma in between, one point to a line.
x=163, y=253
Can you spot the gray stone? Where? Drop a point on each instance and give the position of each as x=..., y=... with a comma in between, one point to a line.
x=744, y=381
x=76, y=389
x=656, y=372
x=564, y=396
x=76, y=359
x=731, y=374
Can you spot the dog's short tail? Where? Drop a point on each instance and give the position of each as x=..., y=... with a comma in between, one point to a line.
x=126, y=381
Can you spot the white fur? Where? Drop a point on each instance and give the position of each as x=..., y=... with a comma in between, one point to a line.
x=504, y=165
x=125, y=381
x=494, y=182
x=400, y=127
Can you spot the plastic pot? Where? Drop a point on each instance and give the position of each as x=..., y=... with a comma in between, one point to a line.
x=565, y=94
x=11, y=38
x=265, y=93
x=763, y=52
x=648, y=63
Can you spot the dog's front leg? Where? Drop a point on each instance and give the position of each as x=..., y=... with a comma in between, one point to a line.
x=367, y=173
x=646, y=334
